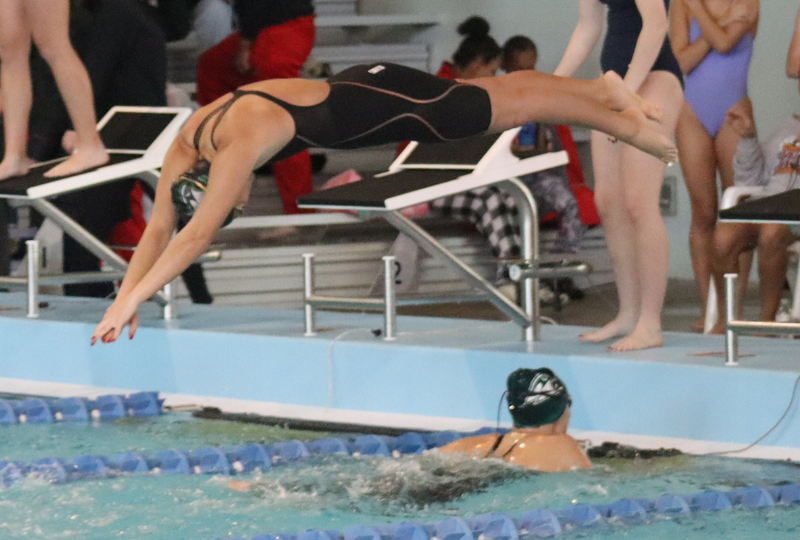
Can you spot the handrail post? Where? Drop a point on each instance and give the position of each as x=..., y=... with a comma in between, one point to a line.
x=33, y=278
x=529, y=234
x=308, y=291
x=731, y=338
x=390, y=305
x=170, y=310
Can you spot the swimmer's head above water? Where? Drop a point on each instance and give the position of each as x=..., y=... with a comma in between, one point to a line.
x=189, y=189
x=536, y=397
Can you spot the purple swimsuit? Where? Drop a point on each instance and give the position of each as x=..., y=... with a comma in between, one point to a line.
x=718, y=82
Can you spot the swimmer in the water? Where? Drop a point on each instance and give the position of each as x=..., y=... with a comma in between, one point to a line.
x=206, y=176
x=404, y=483
x=540, y=406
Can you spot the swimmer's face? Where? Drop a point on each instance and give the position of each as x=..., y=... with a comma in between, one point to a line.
x=522, y=60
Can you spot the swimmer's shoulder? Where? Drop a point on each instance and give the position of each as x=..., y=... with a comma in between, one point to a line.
x=479, y=445
x=549, y=453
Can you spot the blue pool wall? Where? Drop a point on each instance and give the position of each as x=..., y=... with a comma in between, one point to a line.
x=680, y=398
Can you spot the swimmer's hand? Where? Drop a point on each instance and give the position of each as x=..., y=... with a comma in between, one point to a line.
x=238, y=485
x=740, y=118
x=122, y=313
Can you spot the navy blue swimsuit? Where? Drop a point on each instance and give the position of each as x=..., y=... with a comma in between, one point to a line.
x=624, y=27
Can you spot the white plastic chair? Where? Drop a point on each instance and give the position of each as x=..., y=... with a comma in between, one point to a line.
x=731, y=197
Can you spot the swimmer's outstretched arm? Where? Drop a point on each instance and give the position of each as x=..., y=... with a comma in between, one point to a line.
x=159, y=258
x=180, y=157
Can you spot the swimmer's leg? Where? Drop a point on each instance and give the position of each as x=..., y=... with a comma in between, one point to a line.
x=530, y=96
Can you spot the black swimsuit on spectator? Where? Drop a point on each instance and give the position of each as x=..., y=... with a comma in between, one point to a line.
x=624, y=27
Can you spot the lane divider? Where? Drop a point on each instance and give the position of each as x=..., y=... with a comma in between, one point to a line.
x=212, y=460
x=78, y=409
x=582, y=519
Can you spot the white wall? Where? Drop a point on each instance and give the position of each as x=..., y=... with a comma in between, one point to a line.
x=550, y=23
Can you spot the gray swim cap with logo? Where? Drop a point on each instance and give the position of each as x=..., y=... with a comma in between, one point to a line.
x=190, y=188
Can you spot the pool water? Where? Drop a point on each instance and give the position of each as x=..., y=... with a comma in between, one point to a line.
x=333, y=492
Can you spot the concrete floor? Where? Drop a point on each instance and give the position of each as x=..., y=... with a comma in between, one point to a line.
x=598, y=306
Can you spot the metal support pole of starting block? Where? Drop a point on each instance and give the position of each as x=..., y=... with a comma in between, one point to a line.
x=33, y=278
x=169, y=310
x=308, y=291
x=389, y=298
x=731, y=338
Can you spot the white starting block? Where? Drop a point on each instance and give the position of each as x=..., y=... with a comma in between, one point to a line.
x=137, y=139
x=422, y=173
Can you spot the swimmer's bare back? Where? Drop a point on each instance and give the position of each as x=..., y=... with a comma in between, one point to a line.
x=299, y=92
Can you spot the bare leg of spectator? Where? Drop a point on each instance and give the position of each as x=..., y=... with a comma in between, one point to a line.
x=15, y=80
x=48, y=23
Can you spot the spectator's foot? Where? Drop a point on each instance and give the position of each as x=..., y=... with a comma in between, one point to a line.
x=718, y=328
x=647, y=139
x=81, y=160
x=616, y=328
x=11, y=167
x=619, y=98
x=640, y=338
x=699, y=326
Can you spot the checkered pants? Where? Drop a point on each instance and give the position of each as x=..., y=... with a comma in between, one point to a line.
x=493, y=212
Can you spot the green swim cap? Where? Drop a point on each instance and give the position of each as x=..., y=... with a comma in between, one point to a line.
x=536, y=397
x=189, y=189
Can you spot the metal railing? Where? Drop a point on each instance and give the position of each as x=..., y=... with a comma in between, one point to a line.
x=733, y=327
x=527, y=274
x=34, y=280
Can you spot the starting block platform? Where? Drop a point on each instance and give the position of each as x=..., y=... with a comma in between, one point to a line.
x=137, y=140
x=425, y=172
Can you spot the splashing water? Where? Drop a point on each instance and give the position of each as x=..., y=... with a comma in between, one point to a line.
x=333, y=492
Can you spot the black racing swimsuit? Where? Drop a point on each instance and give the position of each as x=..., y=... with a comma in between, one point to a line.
x=379, y=104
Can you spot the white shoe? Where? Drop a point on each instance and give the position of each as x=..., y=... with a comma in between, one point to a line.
x=509, y=290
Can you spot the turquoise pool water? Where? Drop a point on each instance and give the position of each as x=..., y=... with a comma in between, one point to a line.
x=337, y=491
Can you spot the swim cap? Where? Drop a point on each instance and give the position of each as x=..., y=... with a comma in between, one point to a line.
x=189, y=189
x=536, y=397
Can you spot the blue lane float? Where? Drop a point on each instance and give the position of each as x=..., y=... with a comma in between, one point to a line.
x=546, y=523
x=211, y=460
x=77, y=409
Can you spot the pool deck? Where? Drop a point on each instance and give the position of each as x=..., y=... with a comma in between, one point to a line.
x=438, y=374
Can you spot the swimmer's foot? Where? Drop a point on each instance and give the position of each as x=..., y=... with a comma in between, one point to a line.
x=640, y=338
x=616, y=328
x=11, y=167
x=645, y=138
x=81, y=160
x=620, y=98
